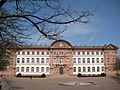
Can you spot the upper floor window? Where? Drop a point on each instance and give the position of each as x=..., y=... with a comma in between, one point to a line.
x=93, y=69
x=54, y=60
x=88, y=53
x=38, y=53
x=38, y=60
x=83, y=53
x=47, y=53
x=23, y=60
x=113, y=60
x=88, y=69
x=18, y=53
x=97, y=53
x=98, y=69
x=28, y=53
x=17, y=69
x=23, y=53
x=79, y=60
x=67, y=60
x=42, y=53
x=42, y=69
x=32, y=60
x=102, y=69
x=37, y=69
x=93, y=60
x=33, y=53
x=101, y=53
x=97, y=59
x=83, y=60
x=28, y=60
x=88, y=60
x=47, y=60
x=92, y=53
x=74, y=60
x=18, y=60
x=42, y=60
x=102, y=60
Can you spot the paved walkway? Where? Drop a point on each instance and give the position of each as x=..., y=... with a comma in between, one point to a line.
x=102, y=83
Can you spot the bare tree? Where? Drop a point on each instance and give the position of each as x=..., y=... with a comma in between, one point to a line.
x=20, y=18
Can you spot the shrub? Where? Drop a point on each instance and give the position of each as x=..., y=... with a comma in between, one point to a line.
x=43, y=75
x=79, y=75
x=102, y=74
x=19, y=75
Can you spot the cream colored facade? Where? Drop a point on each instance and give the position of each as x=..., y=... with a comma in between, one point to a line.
x=61, y=58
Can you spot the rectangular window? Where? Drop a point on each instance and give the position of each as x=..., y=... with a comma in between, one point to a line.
x=93, y=60
x=28, y=53
x=47, y=53
x=84, y=69
x=42, y=53
x=61, y=60
x=32, y=60
x=79, y=69
x=28, y=60
x=92, y=53
x=97, y=59
x=38, y=60
x=18, y=60
x=101, y=53
x=22, y=69
x=17, y=69
x=102, y=60
x=74, y=60
x=78, y=53
x=32, y=69
x=27, y=69
x=37, y=69
x=83, y=53
x=47, y=60
x=88, y=60
x=38, y=53
x=23, y=60
x=47, y=69
x=33, y=53
x=88, y=53
x=18, y=53
x=42, y=60
x=93, y=69
x=79, y=60
x=98, y=69
x=88, y=69
x=83, y=60
x=102, y=69
x=42, y=69
x=74, y=69
x=97, y=53
x=23, y=53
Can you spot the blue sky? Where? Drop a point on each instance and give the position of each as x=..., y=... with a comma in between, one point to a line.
x=104, y=26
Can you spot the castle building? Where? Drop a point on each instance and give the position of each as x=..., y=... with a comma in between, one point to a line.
x=62, y=58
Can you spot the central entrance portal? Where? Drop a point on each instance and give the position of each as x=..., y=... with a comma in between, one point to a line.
x=61, y=70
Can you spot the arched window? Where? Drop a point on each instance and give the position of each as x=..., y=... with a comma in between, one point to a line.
x=22, y=69
x=42, y=69
x=98, y=69
x=93, y=69
x=88, y=69
x=37, y=69
x=79, y=69
x=47, y=69
x=32, y=69
x=27, y=69
x=17, y=69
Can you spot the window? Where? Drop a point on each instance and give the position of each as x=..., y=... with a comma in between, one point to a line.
x=61, y=60
x=47, y=53
x=17, y=69
x=42, y=69
x=54, y=60
x=102, y=69
x=60, y=53
x=47, y=60
x=28, y=61
x=102, y=60
x=74, y=69
x=93, y=60
x=88, y=60
x=32, y=69
x=22, y=69
x=67, y=53
x=97, y=53
x=88, y=53
x=32, y=60
x=38, y=60
x=79, y=60
x=79, y=69
x=78, y=53
x=18, y=60
x=101, y=53
x=83, y=53
x=67, y=60
x=97, y=60
x=47, y=69
x=28, y=53
x=18, y=53
x=38, y=53
x=37, y=69
x=88, y=69
x=83, y=60
x=42, y=53
x=93, y=69
x=54, y=53
x=27, y=69
x=73, y=53
x=98, y=69
x=113, y=60
x=23, y=60
x=92, y=53
x=42, y=60
x=74, y=60
x=33, y=53
x=84, y=69
x=23, y=53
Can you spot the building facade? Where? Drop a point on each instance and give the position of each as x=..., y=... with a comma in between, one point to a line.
x=61, y=58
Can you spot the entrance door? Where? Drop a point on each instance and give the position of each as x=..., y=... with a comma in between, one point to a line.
x=61, y=70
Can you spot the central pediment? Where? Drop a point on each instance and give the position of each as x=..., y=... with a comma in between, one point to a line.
x=61, y=44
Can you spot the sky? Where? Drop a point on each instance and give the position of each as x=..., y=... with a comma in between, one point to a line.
x=104, y=26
